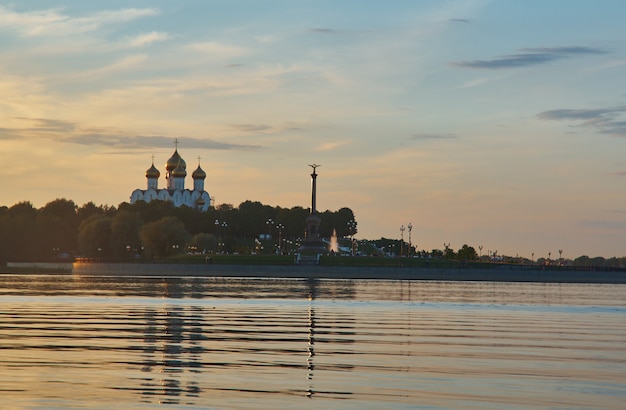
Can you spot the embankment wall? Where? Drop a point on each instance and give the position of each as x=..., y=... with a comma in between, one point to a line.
x=349, y=272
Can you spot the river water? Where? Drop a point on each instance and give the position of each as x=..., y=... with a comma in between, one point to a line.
x=70, y=342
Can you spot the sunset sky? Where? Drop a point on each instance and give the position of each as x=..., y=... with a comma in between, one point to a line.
x=493, y=123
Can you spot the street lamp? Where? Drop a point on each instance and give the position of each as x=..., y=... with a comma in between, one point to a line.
x=269, y=224
x=401, y=239
x=351, y=232
x=280, y=228
x=410, y=227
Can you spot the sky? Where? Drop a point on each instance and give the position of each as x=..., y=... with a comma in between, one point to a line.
x=496, y=124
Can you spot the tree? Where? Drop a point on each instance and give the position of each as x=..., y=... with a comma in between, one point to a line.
x=18, y=233
x=94, y=236
x=125, y=238
x=164, y=237
x=203, y=242
x=57, y=226
x=467, y=253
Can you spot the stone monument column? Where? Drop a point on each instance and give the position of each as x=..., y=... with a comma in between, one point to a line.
x=313, y=243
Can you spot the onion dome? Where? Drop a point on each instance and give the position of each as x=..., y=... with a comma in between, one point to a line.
x=179, y=171
x=175, y=161
x=152, y=172
x=198, y=173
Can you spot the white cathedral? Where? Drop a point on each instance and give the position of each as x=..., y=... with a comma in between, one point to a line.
x=175, y=173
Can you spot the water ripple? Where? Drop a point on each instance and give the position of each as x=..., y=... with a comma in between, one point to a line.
x=129, y=343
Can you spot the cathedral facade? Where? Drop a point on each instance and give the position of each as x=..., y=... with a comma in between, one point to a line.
x=175, y=174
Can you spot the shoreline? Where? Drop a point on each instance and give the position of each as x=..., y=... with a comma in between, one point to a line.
x=510, y=273
x=507, y=274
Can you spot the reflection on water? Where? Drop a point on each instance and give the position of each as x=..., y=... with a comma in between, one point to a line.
x=103, y=342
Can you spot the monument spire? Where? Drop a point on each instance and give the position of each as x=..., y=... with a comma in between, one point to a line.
x=314, y=188
x=313, y=244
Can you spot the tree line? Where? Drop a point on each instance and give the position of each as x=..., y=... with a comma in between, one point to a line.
x=61, y=229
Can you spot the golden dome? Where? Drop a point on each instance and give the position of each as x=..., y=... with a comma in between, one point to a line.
x=179, y=171
x=198, y=173
x=175, y=161
x=152, y=172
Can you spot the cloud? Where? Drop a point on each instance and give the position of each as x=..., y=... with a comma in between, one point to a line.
x=68, y=132
x=604, y=120
x=458, y=21
x=125, y=64
x=52, y=23
x=148, y=38
x=254, y=128
x=331, y=146
x=324, y=30
x=152, y=141
x=48, y=125
x=444, y=136
x=565, y=50
x=216, y=49
x=530, y=57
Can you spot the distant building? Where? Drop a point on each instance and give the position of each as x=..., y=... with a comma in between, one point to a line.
x=175, y=173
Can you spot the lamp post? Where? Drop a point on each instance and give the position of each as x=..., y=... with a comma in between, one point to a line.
x=224, y=226
x=351, y=232
x=269, y=224
x=401, y=239
x=410, y=228
x=280, y=228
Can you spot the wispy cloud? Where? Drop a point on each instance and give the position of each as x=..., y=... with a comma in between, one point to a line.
x=331, y=146
x=252, y=128
x=444, y=136
x=52, y=22
x=530, y=57
x=148, y=38
x=324, y=30
x=458, y=21
x=68, y=132
x=152, y=141
x=44, y=124
x=605, y=120
x=216, y=49
x=124, y=64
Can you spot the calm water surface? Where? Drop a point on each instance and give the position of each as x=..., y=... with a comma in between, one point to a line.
x=214, y=343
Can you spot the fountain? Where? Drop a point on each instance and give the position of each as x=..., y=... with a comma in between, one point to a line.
x=333, y=247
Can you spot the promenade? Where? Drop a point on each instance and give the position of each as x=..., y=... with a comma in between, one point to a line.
x=501, y=274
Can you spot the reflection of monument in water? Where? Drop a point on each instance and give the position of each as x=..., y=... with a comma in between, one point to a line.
x=312, y=245
x=311, y=338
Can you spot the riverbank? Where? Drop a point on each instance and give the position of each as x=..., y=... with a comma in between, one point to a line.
x=503, y=273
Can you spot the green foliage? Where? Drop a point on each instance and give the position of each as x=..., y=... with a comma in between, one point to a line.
x=164, y=237
x=203, y=243
x=125, y=238
x=467, y=253
x=94, y=236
